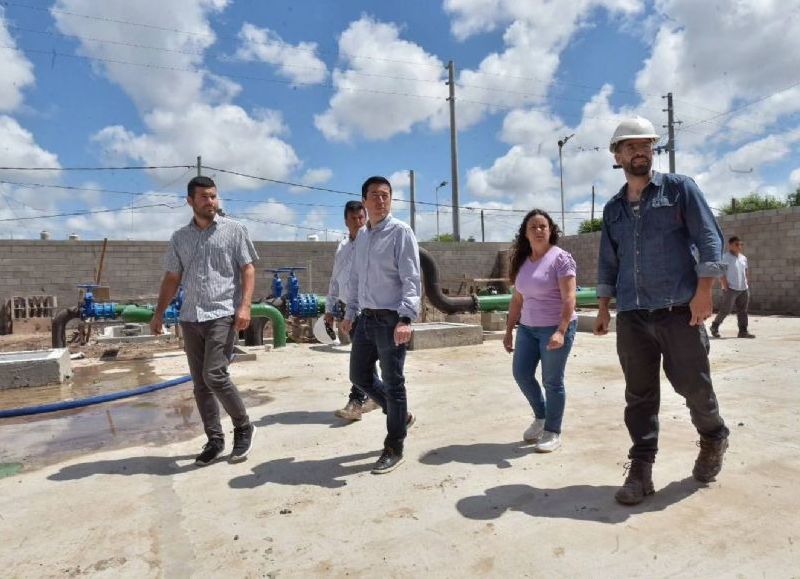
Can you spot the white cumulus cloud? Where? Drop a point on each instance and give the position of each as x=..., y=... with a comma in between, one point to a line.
x=298, y=63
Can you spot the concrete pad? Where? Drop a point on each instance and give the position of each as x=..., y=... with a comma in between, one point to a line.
x=586, y=321
x=470, y=499
x=34, y=368
x=444, y=335
x=494, y=321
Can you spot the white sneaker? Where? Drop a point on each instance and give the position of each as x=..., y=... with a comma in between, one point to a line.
x=534, y=431
x=549, y=442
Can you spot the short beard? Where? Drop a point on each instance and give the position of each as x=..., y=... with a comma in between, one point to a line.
x=638, y=170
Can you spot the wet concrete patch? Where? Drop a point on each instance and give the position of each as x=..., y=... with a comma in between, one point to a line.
x=158, y=418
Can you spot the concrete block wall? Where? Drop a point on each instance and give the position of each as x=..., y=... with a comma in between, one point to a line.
x=133, y=269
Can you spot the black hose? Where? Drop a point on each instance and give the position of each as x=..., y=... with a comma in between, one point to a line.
x=58, y=331
x=433, y=289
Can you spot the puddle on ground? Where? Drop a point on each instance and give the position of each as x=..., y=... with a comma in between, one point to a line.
x=157, y=418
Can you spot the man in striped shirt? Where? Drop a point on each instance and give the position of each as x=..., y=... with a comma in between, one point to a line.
x=212, y=257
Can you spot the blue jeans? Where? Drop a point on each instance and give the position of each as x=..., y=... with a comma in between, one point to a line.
x=373, y=341
x=529, y=349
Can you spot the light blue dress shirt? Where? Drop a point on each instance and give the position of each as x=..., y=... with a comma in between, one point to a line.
x=385, y=271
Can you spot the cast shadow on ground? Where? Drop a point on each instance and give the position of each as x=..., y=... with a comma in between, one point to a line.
x=299, y=417
x=152, y=465
x=328, y=473
x=579, y=502
x=498, y=454
x=328, y=349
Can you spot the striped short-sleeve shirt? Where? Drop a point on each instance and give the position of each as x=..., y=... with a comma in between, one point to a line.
x=210, y=261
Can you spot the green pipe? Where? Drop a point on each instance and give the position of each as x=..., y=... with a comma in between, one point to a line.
x=143, y=315
x=586, y=296
x=278, y=322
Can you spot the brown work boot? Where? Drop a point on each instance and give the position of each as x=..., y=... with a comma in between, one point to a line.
x=369, y=406
x=350, y=412
x=709, y=460
x=638, y=484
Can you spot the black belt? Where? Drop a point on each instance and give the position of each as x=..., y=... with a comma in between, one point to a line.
x=376, y=313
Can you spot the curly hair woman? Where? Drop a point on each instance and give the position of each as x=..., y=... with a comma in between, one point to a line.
x=543, y=304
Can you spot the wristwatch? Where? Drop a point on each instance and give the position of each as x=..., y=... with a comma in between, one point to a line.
x=405, y=319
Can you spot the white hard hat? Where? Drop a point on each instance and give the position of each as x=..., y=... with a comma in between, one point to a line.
x=633, y=128
x=322, y=334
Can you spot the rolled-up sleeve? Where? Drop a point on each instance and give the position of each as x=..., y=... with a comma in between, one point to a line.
x=407, y=255
x=704, y=231
x=607, y=262
x=245, y=250
x=172, y=260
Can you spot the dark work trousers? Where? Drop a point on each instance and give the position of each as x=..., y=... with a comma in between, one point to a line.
x=357, y=395
x=209, y=346
x=373, y=341
x=731, y=297
x=643, y=337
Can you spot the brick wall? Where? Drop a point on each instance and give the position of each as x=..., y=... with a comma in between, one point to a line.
x=133, y=268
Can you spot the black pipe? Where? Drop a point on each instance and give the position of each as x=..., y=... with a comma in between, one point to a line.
x=58, y=331
x=433, y=289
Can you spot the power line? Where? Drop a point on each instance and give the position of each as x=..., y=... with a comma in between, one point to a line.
x=130, y=168
x=88, y=212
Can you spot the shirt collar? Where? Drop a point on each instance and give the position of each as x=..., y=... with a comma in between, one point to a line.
x=655, y=180
x=382, y=223
x=214, y=221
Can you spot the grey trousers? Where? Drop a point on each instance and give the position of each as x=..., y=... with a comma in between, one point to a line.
x=731, y=298
x=209, y=346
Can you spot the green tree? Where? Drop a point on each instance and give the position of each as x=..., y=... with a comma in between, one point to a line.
x=794, y=198
x=589, y=225
x=753, y=202
x=444, y=237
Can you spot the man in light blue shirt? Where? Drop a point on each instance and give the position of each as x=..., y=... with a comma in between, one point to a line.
x=355, y=216
x=383, y=294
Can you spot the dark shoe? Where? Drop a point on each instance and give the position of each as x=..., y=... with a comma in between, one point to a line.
x=242, y=442
x=709, y=461
x=388, y=461
x=714, y=331
x=638, y=484
x=211, y=450
x=352, y=411
x=746, y=334
x=410, y=420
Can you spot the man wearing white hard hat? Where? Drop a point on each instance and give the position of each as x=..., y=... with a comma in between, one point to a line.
x=663, y=297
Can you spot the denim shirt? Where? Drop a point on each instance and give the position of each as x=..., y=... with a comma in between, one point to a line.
x=653, y=261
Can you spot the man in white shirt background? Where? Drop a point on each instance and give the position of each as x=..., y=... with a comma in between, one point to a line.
x=735, y=289
x=355, y=216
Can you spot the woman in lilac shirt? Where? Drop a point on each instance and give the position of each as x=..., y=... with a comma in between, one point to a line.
x=543, y=303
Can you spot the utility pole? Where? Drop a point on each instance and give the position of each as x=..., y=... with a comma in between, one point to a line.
x=592, y=202
x=412, y=210
x=561, y=143
x=483, y=230
x=451, y=82
x=670, y=126
x=199, y=164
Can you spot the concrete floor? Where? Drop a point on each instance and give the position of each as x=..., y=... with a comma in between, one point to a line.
x=471, y=500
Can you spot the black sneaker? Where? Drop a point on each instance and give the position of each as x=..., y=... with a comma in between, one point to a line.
x=746, y=334
x=211, y=450
x=388, y=461
x=714, y=331
x=242, y=442
x=410, y=420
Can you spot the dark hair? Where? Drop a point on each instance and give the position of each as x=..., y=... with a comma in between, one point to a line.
x=353, y=207
x=199, y=181
x=521, y=248
x=376, y=179
x=733, y=239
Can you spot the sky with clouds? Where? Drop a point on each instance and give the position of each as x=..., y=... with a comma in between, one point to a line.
x=292, y=104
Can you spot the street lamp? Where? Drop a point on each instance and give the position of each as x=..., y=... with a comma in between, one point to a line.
x=436, y=192
x=561, y=143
